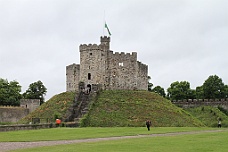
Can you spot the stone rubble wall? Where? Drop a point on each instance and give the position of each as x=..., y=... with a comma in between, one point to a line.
x=201, y=102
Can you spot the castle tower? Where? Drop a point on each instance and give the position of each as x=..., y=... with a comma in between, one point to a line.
x=105, y=42
x=99, y=66
x=93, y=61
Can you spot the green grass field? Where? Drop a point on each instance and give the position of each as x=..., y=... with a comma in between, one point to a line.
x=87, y=132
x=202, y=141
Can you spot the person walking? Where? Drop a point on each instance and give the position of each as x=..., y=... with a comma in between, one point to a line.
x=219, y=124
x=148, y=124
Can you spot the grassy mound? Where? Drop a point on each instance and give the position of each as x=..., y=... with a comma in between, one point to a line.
x=133, y=108
x=130, y=108
x=209, y=115
x=53, y=108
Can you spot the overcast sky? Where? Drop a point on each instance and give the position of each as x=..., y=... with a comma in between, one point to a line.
x=179, y=40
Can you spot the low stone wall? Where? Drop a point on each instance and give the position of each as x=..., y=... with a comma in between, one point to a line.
x=186, y=103
x=12, y=114
x=4, y=128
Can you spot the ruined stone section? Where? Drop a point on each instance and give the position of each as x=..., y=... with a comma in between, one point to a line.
x=187, y=103
x=72, y=77
x=30, y=104
x=111, y=71
x=142, y=80
x=12, y=114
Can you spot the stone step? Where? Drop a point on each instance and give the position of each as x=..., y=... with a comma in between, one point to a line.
x=84, y=112
x=77, y=119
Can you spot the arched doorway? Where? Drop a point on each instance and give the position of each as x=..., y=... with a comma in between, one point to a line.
x=89, y=87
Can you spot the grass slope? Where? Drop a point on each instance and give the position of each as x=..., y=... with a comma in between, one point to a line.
x=209, y=115
x=132, y=108
x=54, y=107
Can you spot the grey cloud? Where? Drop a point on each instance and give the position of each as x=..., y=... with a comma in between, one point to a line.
x=178, y=39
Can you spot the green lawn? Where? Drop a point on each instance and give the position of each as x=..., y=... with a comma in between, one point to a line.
x=200, y=142
x=88, y=132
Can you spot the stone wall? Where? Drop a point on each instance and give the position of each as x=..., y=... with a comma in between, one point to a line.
x=142, y=77
x=186, y=103
x=72, y=77
x=12, y=114
x=4, y=128
x=30, y=104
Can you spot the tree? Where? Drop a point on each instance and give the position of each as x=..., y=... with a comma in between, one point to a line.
x=213, y=88
x=225, y=91
x=199, y=92
x=14, y=93
x=150, y=85
x=36, y=90
x=191, y=94
x=159, y=90
x=3, y=91
x=9, y=93
x=180, y=90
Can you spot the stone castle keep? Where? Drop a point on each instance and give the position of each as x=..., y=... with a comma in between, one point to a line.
x=100, y=67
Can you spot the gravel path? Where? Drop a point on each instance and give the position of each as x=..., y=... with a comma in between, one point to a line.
x=7, y=146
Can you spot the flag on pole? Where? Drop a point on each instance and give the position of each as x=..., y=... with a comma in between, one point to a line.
x=106, y=26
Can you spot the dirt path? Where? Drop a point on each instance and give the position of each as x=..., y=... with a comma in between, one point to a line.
x=7, y=146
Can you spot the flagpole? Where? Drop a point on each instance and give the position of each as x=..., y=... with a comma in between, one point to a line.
x=103, y=23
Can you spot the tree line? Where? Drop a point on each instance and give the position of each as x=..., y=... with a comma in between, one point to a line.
x=10, y=92
x=212, y=88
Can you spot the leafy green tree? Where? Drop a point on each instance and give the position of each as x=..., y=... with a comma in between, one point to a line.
x=159, y=90
x=14, y=93
x=10, y=93
x=199, y=92
x=150, y=85
x=3, y=91
x=180, y=90
x=191, y=94
x=225, y=92
x=213, y=88
x=36, y=90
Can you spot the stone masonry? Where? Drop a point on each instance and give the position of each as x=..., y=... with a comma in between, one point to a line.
x=111, y=71
x=30, y=104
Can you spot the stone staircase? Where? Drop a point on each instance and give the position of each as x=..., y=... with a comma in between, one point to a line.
x=79, y=108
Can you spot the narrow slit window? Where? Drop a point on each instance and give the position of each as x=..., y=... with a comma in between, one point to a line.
x=89, y=76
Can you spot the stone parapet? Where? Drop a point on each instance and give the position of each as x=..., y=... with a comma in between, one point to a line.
x=201, y=102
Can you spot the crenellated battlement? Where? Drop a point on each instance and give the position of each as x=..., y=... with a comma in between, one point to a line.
x=105, y=39
x=201, y=102
x=123, y=54
x=85, y=47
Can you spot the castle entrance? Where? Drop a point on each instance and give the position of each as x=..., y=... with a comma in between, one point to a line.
x=89, y=87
